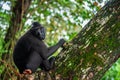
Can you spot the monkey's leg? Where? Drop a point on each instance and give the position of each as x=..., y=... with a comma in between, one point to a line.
x=33, y=62
x=48, y=64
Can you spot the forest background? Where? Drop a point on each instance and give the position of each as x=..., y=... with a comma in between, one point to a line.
x=61, y=18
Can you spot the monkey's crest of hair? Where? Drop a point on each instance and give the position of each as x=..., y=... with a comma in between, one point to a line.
x=35, y=24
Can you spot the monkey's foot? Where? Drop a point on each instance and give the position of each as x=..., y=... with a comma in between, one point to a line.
x=27, y=71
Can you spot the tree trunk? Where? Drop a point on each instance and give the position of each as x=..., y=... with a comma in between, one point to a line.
x=16, y=24
x=92, y=52
x=19, y=11
x=89, y=55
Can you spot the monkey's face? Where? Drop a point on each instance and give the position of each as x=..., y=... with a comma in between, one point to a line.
x=38, y=31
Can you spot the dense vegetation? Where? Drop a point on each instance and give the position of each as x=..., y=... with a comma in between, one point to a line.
x=62, y=18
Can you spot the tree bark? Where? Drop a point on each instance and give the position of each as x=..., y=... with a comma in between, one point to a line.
x=16, y=24
x=19, y=11
x=89, y=55
x=92, y=52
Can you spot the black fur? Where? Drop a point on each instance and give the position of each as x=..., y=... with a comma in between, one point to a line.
x=31, y=52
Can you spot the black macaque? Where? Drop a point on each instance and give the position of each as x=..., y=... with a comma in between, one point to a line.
x=31, y=53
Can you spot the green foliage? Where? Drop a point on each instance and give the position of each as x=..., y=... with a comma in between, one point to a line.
x=1, y=41
x=2, y=68
x=113, y=73
x=62, y=18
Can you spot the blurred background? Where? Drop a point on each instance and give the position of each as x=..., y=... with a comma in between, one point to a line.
x=61, y=18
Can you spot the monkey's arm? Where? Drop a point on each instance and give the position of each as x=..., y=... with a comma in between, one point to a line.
x=54, y=48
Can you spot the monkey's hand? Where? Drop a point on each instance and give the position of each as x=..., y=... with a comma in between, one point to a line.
x=62, y=42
